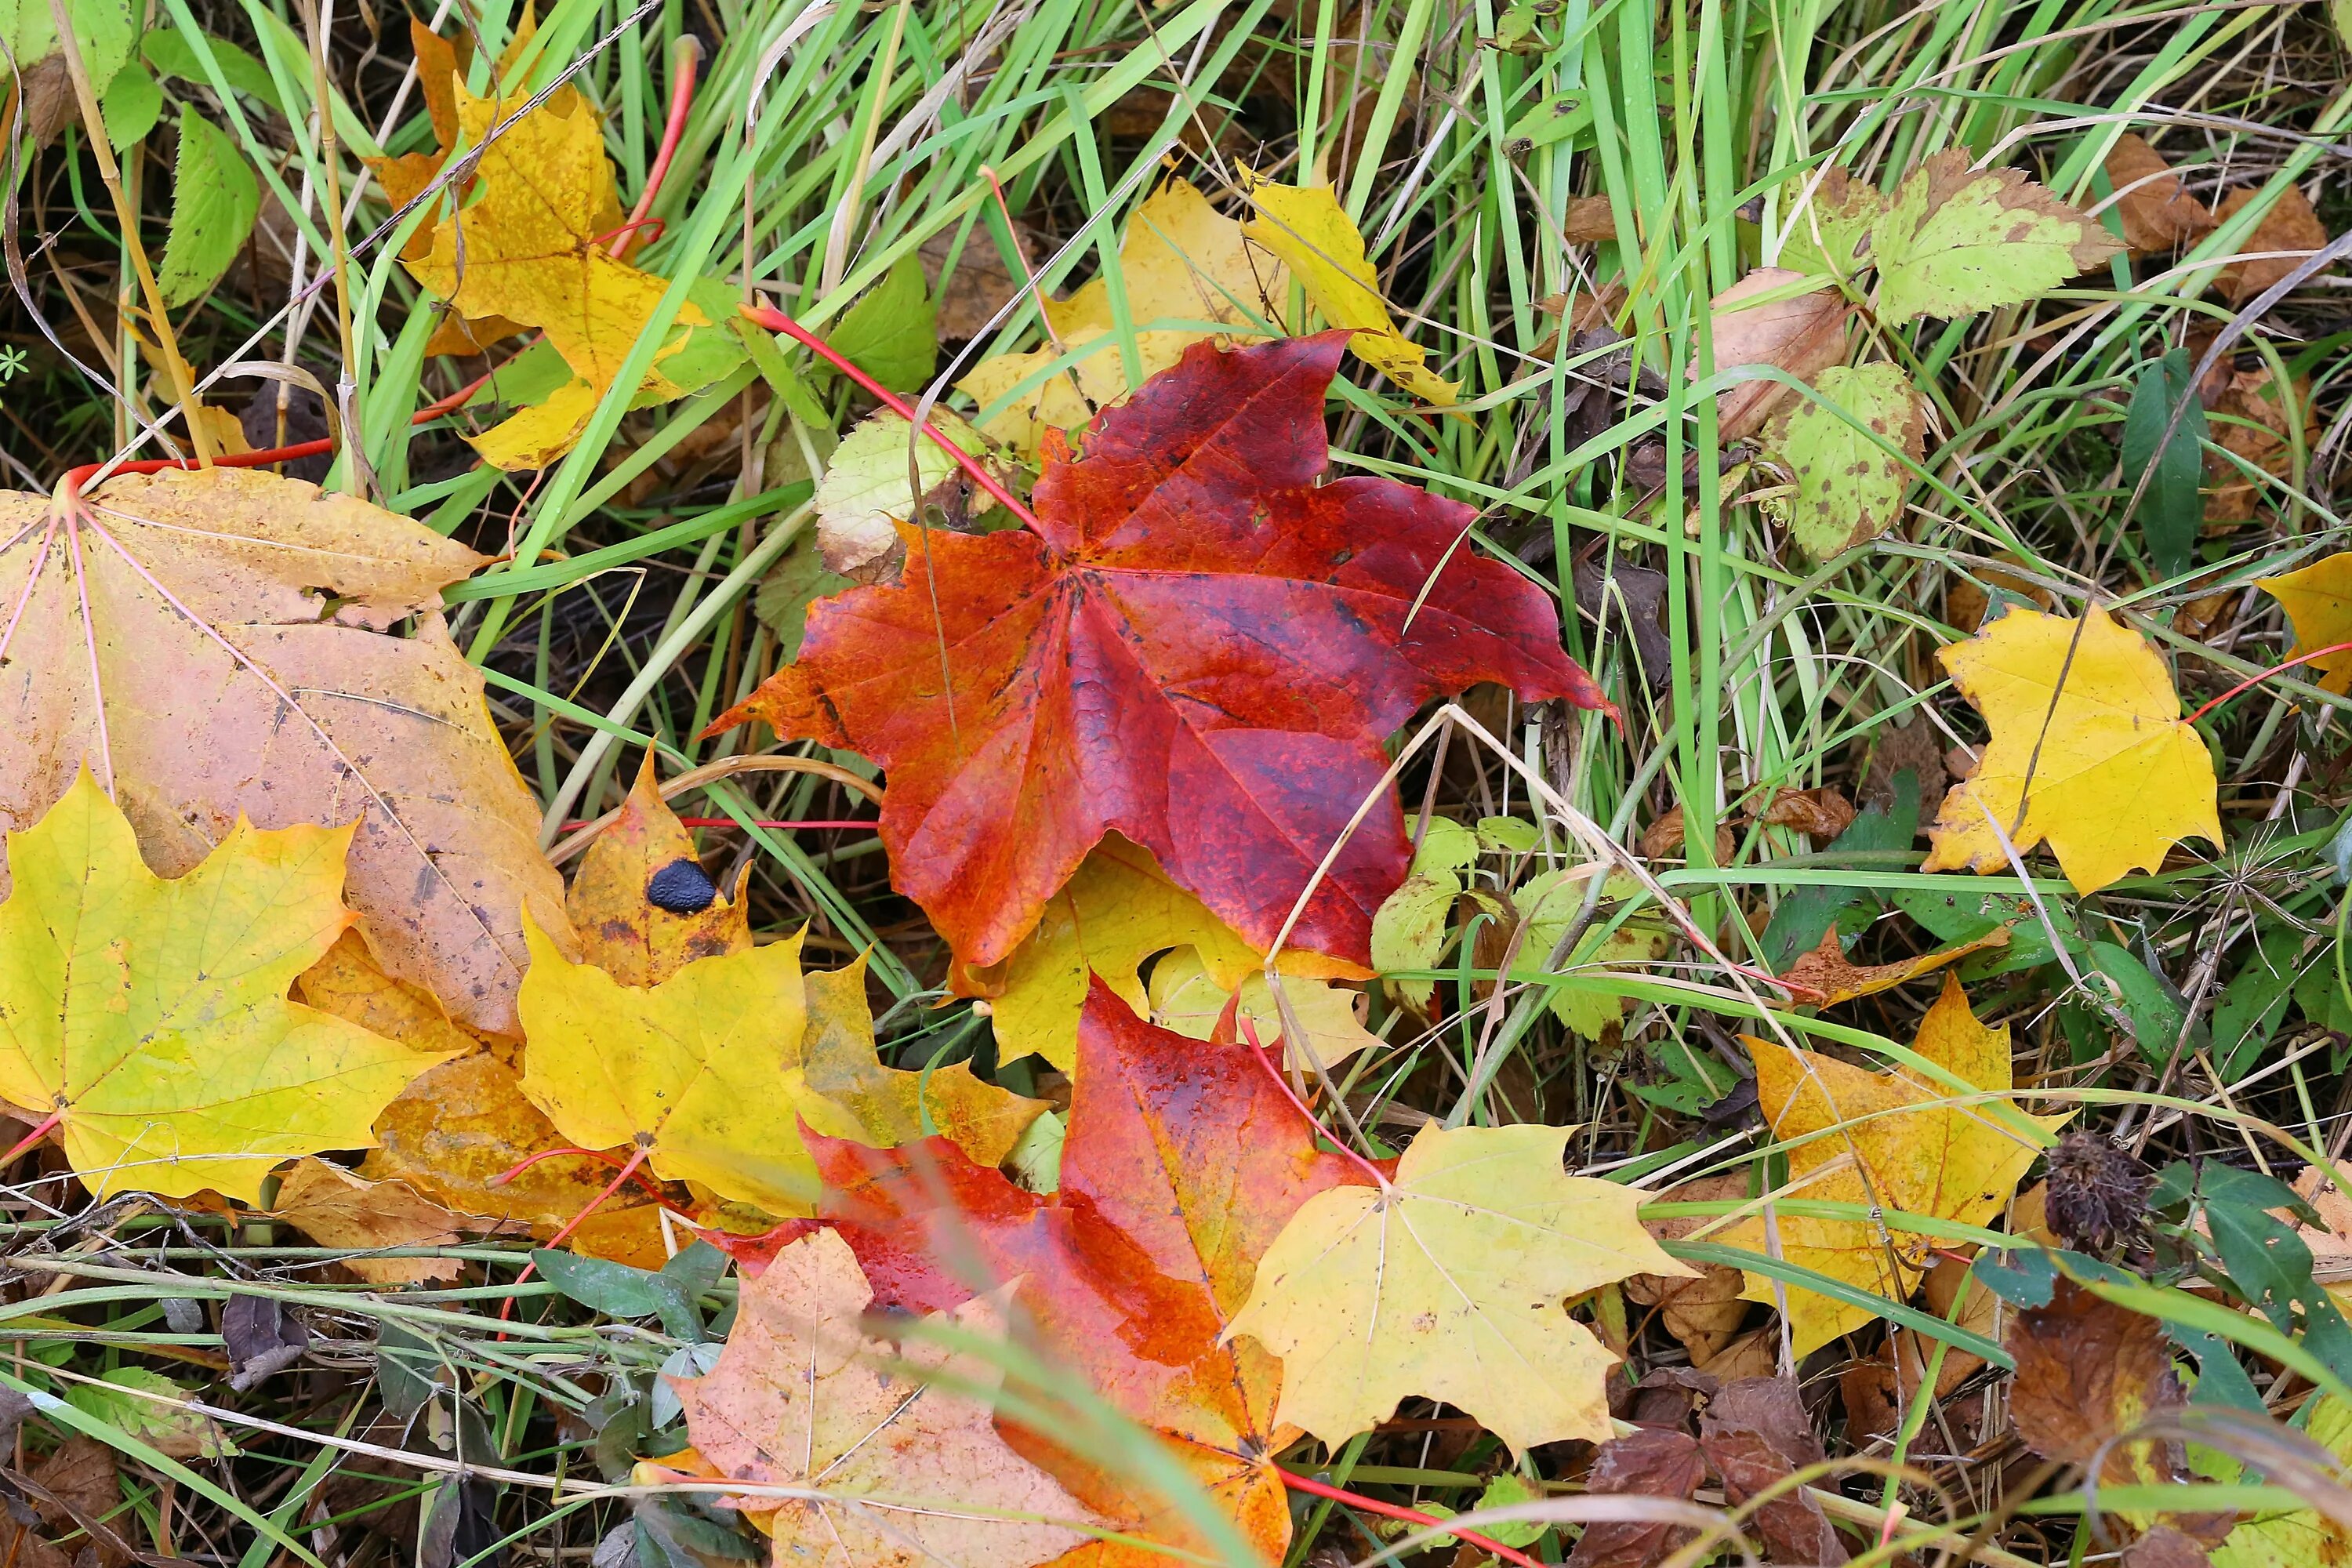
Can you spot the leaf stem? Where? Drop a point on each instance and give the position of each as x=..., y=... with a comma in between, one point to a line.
x=683, y=57
x=2261, y=676
x=1249, y=1032
x=1312, y=1488
x=35, y=1136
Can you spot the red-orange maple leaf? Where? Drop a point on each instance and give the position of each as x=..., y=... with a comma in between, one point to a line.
x=1184, y=1162
x=1199, y=646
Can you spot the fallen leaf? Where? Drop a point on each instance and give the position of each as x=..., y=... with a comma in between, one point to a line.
x=2159, y=214
x=1409, y=929
x=982, y=284
x=1314, y=237
x=1247, y=626
x=1878, y=1392
x=466, y=1123
x=2254, y=419
x=348, y=983
x=1968, y=598
x=234, y=657
x=1915, y=745
x=2317, y=600
x=1849, y=484
x=1663, y=837
x=709, y=1072
x=1190, y=1000
x=1115, y=912
x=1755, y=1434
x=2289, y=228
x=2300, y=1538
x=1829, y=233
x=263, y=1338
x=2331, y=1248
x=863, y=495
x=1821, y=814
x=2086, y=710
x=1803, y=332
x=1827, y=972
x=1640, y=1465
x=150, y=1015
x=2164, y=1547
x=1183, y=1161
x=1450, y=1283
x=898, y=1437
x=80, y=1480
x=152, y=1409
x=641, y=903
x=1703, y=1311
x=1955, y=240
x=1892, y=1142
x=536, y=247
x=1548, y=903
x=335, y=1208
x=1181, y=260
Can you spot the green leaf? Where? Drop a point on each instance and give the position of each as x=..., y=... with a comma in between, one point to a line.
x=131, y=107
x=797, y=580
x=618, y=1291
x=169, y=1428
x=104, y=31
x=2156, y=1017
x=174, y=58
x=1549, y=904
x=1848, y=486
x=1804, y=917
x=1549, y=120
x=215, y=200
x=891, y=333
x=1831, y=234
x=1409, y=931
x=2252, y=1002
x=1955, y=240
x=2297, y=1539
x=2172, y=507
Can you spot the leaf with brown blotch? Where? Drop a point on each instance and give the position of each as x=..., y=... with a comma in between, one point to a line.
x=1755, y=1434
x=335, y=1208
x=2159, y=214
x=1703, y=1314
x=2290, y=227
x=1183, y=1162
x=641, y=902
x=1199, y=646
x=1802, y=332
x=2090, y=1373
x=898, y=1438
x=1830, y=233
x=225, y=641
x=1647, y=1464
x=1826, y=973
x=1956, y=239
x=350, y=984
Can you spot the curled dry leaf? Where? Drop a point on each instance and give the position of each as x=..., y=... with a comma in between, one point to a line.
x=1755, y=1434
x=224, y=642
x=1705, y=1312
x=1826, y=972
x=1879, y=1390
x=898, y=1437
x=1663, y=837
x=1640, y=1465
x=1797, y=327
x=335, y=1208
x=1450, y=1283
x=2085, y=712
x=151, y=1014
x=1889, y=1141
x=1255, y=634
x=1823, y=813
x=2159, y=214
x=2282, y=238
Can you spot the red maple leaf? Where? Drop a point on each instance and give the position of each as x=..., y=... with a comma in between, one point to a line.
x=1199, y=646
x=1183, y=1162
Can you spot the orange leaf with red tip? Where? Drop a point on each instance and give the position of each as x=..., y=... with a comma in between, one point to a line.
x=1198, y=646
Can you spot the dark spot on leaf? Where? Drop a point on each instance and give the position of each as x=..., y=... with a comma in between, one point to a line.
x=682, y=887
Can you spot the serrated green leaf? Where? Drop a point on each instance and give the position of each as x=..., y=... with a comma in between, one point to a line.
x=115, y=1399
x=1848, y=486
x=106, y=31
x=131, y=107
x=215, y=199
x=892, y=331
x=1955, y=240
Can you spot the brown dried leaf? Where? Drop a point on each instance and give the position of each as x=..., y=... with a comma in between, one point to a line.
x=2164, y=1547
x=1825, y=970
x=1703, y=1315
x=1914, y=743
x=1823, y=813
x=2089, y=1372
x=1589, y=220
x=335, y=1208
x=1755, y=1433
x=2158, y=212
x=1804, y=336
x=1665, y=837
x=2290, y=227
x=1641, y=1464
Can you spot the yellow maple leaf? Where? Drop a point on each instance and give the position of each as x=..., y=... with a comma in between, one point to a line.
x=2117, y=778
x=1181, y=260
x=1188, y=999
x=2319, y=601
x=646, y=854
x=536, y=249
x=1315, y=239
x=1117, y=911
x=150, y=1016
x=895, y=1445
x=708, y=1073
x=1449, y=1282
x=1892, y=1139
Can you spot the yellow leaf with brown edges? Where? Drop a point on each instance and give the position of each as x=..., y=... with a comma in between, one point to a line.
x=641, y=902
x=1826, y=972
x=1887, y=1138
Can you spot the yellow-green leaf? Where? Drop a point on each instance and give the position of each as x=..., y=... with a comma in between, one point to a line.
x=1315, y=239
x=1955, y=240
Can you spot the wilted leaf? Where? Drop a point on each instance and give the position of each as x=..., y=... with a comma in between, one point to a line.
x=214, y=198
x=1647, y=1464
x=1704, y=1312
x=898, y=1437
x=151, y=1015
x=152, y=1408
x=1246, y=625
x=1955, y=240
x=2290, y=227
x=2159, y=214
x=1181, y=260
x=2090, y=1373
x=2317, y=600
x=2116, y=778
x=1318, y=243
x=1848, y=486
x=641, y=902
x=335, y=1208
x=80, y=1480
x=1803, y=334
x=1913, y=1153
x=863, y=496
x=1448, y=1284
x=234, y=657
x=1827, y=972
x=1756, y=1436
x=1182, y=1162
